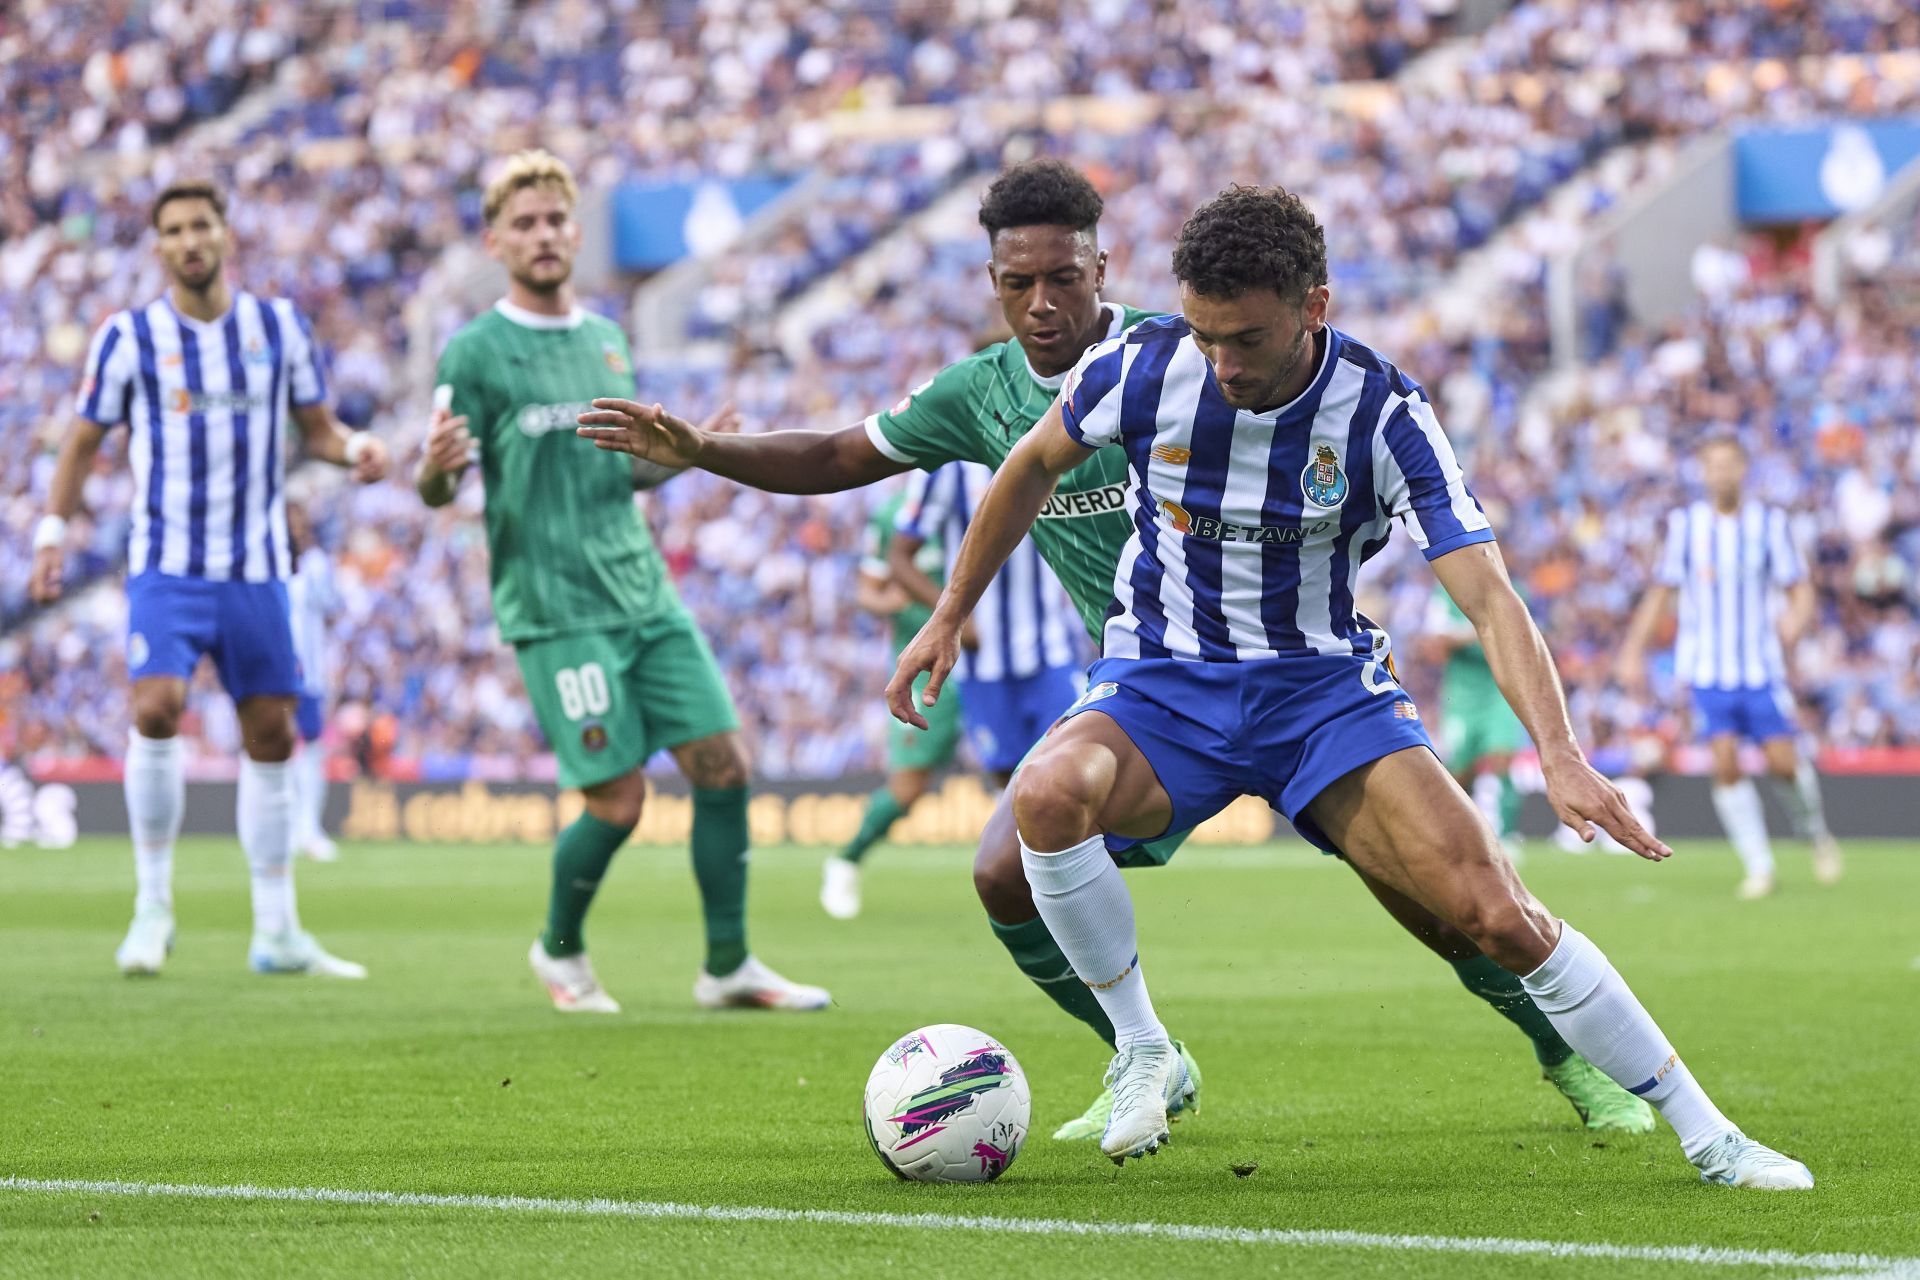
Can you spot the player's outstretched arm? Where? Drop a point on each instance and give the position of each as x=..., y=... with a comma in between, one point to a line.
x=776, y=461
x=1476, y=578
x=63, y=499
x=1012, y=503
x=329, y=440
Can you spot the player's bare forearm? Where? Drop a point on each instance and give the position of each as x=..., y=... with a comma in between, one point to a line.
x=911, y=580
x=878, y=595
x=1798, y=616
x=797, y=461
x=1647, y=617
x=1476, y=577
x=329, y=440
x=77, y=451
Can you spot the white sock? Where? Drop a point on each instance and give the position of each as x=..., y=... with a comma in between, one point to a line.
x=266, y=833
x=1802, y=799
x=310, y=792
x=156, y=798
x=1084, y=900
x=1746, y=825
x=1592, y=1008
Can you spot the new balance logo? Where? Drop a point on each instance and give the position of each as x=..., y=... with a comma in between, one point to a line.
x=1173, y=454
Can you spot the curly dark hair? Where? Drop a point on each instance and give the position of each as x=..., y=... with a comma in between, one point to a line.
x=1249, y=238
x=1046, y=192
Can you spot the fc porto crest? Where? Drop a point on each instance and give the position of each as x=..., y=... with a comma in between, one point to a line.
x=1324, y=483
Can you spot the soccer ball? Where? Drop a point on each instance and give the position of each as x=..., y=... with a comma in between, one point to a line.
x=947, y=1104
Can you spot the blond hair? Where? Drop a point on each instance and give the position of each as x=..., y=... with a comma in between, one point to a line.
x=528, y=169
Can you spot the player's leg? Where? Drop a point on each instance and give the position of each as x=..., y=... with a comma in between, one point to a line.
x=913, y=755
x=599, y=737
x=692, y=715
x=1601, y=1104
x=1404, y=822
x=1797, y=784
x=1735, y=799
x=310, y=783
x=156, y=799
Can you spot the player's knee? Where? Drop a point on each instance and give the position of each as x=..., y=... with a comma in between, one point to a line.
x=269, y=739
x=156, y=712
x=618, y=803
x=718, y=763
x=1516, y=931
x=1057, y=801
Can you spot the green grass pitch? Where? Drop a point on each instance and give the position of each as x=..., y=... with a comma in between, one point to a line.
x=1373, y=1093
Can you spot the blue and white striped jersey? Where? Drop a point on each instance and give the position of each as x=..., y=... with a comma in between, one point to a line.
x=1024, y=622
x=207, y=405
x=1249, y=529
x=311, y=598
x=1728, y=570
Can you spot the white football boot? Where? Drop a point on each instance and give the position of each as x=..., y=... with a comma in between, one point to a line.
x=840, y=888
x=148, y=942
x=570, y=981
x=754, y=986
x=1754, y=887
x=1146, y=1080
x=1735, y=1160
x=320, y=848
x=297, y=951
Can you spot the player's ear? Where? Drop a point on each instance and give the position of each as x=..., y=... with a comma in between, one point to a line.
x=487, y=242
x=1314, y=314
x=1100, y=271
x=993, y=276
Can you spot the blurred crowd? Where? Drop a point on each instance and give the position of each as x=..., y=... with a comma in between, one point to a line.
x=366, y=161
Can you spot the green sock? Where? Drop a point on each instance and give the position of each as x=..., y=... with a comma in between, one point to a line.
x=1509, y=806
x=580, y=858
x=720, y=852
x=1502, y=990
x=882, y=812
x=1041, y=959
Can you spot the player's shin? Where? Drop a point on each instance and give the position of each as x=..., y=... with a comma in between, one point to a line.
x=1801, y=797
x=721, y=843
x=156, y=798
x=1084, y=901
x=1507, y=996
x=265, y=819
x=1746, y=826
x=883, y=810
x=1591, y=1004
x=580, y=859
x=1039, y=957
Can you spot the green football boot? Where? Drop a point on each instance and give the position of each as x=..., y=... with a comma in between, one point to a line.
x=1092, y=1123
x=1602, y=1104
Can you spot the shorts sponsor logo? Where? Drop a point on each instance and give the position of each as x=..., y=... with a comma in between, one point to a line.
x=1404, y=710
x=1323, y=482
x=1105, y=689
x=137, y=651
x=536, y=420
x=1193, y=526
x=1085, y=502
x=593, y=736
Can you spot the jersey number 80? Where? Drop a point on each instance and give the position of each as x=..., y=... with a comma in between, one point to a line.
x=583, y=690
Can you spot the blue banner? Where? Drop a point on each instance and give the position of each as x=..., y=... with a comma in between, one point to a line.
x=655, y=224
x=1822, y=172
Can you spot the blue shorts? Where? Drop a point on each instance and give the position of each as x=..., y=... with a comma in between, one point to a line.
x=1757, y=715
x=1004, y=718
x=1283, y=729
x=173, y=622
x=309, y=718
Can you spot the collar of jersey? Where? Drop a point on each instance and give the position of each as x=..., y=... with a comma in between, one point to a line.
x=233, y=305
x=1116, y=314
x=534, y=320
x=1308, y=399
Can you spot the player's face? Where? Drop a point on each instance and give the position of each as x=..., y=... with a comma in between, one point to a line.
x=1048, y=280
x=1723, y=468
x=193, y=242
x=535, y=237
x=1259, y=344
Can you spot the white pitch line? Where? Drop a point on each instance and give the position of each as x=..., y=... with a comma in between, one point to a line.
x=1883, y=1268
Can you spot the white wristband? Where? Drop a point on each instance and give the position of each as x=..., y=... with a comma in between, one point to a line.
x=357, y=445
x=50, y=532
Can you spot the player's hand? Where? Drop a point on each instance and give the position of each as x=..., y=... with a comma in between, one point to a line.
x=1584, y=799
x=449, y=445
x=373, y=462
x=49, y=566
x=643, y=430
x=935, y=649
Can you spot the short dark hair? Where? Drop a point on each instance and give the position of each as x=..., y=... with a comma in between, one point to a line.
x=190, y=189
x=1720, y=436
x=1250, y=238
x=1046, y=192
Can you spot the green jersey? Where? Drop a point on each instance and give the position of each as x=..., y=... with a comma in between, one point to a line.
x=1466, y=678
x=571, y=552
x=976, y=410
x=930, y=559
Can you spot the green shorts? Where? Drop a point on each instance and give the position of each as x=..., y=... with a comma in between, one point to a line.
x=607, y=700
x=1472, y=730
x=932, y=747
